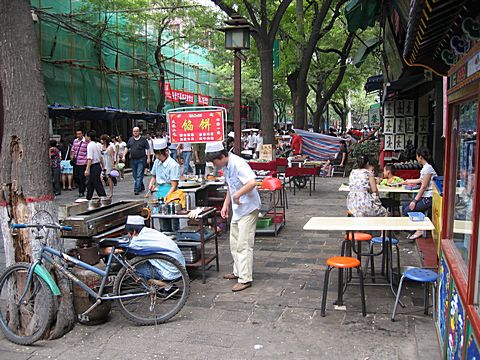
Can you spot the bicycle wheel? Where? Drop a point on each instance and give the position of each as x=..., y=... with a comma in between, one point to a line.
x=158, y=299
x=26, y=322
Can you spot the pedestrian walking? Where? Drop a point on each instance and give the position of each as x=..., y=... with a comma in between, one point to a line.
x=66, y=168
x=120, y=161
x=55, y=159
x=148, y=137
x=251, y=142
x=108, y=154
x=139, y=150
x=258, y=142
x=186, y=156
x=94, y=168
x=243, y=199
x=199, y=158
x=78, y=156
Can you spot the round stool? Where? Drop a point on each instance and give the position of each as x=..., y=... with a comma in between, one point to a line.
x=379, y=240
x=421, y=275
x=342, y=262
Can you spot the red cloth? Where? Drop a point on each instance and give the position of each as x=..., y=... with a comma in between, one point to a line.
x=297, y=142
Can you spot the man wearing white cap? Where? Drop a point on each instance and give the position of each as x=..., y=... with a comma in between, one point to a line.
x=165, y=176
x=243, y=197
x=144, y=237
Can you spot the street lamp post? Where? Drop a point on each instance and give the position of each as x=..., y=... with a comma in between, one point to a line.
x=237, y=38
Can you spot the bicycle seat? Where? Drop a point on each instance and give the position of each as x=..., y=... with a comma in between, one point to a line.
x=117, y=242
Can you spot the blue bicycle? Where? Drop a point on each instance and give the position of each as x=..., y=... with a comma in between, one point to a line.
x=150, y=287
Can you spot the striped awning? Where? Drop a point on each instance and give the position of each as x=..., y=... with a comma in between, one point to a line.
x=431, y=24
x=319, y=146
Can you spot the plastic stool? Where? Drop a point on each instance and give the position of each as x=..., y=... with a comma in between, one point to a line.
x=421, y=275
x=379, y=240
x=342, y=262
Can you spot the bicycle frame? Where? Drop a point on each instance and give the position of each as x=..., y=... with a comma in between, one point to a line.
x=48, y=254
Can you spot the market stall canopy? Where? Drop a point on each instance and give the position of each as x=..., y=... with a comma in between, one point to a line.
x=361, y=14
x=431, y=27
x=364, y=50
x=100, y=113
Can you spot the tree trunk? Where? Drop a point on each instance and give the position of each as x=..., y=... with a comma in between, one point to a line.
x=25, y=175
x=161, y=70
x=266, y=68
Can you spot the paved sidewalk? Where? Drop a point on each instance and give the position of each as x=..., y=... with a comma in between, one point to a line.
x=277, y=318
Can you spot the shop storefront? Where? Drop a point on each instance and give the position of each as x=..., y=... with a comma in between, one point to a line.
x=458, y=297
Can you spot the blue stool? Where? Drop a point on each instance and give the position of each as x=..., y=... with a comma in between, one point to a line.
x=421, y=275
x=379, y=240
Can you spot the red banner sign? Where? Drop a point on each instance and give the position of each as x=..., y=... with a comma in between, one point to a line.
x=202, y=99
x=195, y=126
x=177, y=95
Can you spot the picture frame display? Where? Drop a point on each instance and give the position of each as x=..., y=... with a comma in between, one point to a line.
x=399, y=125
x=388, y=108
x=399, y=142
x=422, y=140
x=409, y=124
x=423, y=125
x=409, y=107
x=399, y=108
x=389, y=142
x=411, y=138
x=389, y=125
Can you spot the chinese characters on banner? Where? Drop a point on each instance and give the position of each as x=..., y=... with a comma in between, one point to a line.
x=195, y=126
x=188, y=97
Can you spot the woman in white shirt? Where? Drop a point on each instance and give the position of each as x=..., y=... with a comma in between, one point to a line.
x=93, y=171
x=121, y=144
x=108, y=153
x=423, y=199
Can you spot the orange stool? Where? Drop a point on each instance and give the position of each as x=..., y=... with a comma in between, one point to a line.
x=342, y=262
x=348, y=244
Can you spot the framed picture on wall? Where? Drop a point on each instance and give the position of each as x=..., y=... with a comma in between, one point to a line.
x=409, y=107
x=389, y=125
x=399, y=125
x=399, y=108
x=399, y=142
x=410, y=138
x=423, y=124
x=409, y=124
x=389, y=142
x=388, y=108
x=422, y=140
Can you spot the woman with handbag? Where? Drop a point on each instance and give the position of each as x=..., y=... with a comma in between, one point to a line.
x=66, y=168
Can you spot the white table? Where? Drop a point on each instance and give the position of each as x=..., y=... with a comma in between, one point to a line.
x=367, y=224
x=383, y=189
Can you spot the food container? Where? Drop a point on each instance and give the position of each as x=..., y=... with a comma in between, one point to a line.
x=264, y=223
x=94, y=204
x=416, y=216
x=105, y=200
x=177, y=207
x=277, y=219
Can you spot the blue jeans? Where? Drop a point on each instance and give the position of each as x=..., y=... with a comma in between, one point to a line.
x=173, y=154
x=187, y=169
x=425, y=203
x=138, y=166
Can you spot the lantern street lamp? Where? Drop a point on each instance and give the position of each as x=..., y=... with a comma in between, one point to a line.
x=237, y=38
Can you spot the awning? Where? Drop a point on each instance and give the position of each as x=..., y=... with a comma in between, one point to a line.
x=374, y=83
x=364, y=50
x=361, y=14
x=99, y=113
x=431, y=25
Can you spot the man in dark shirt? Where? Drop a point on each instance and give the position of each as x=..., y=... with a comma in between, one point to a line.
x=139, y=150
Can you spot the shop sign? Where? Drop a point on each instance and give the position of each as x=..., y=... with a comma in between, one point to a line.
x=473, y=64
x=196, y=126
x=465, y=71
x=202, y=99
x=177, y=95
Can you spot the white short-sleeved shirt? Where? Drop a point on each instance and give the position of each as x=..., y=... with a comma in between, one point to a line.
x=259, y=142
x=251, y=141
x=238, y=173
x=94, y=151
x=187, y=147
x=165, y=172
x=428, y=169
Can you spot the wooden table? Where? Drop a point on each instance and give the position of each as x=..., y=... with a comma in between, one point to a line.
x=367, y=224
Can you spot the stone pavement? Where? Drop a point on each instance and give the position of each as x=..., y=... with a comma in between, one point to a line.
x=277, y=318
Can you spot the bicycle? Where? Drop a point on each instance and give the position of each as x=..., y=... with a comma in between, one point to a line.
x=150, y=288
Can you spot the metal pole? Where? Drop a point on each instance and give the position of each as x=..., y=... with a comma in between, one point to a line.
x=237, y=91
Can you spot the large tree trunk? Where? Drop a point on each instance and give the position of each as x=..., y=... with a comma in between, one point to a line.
x=25, y=176
x=266, y=68
x=161, y=70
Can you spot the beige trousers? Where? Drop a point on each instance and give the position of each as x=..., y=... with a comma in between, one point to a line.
x=242, y=239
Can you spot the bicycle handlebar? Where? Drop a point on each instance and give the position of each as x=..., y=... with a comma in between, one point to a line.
x=51, y=226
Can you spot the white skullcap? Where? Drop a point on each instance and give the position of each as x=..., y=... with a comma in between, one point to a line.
x=159, y=144
x=214, y=147
x=135, y=220
x=231, y=134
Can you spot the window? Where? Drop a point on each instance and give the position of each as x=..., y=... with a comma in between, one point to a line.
x=465, y=188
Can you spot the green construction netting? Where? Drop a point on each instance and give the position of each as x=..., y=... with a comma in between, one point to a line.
x=85, y=66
